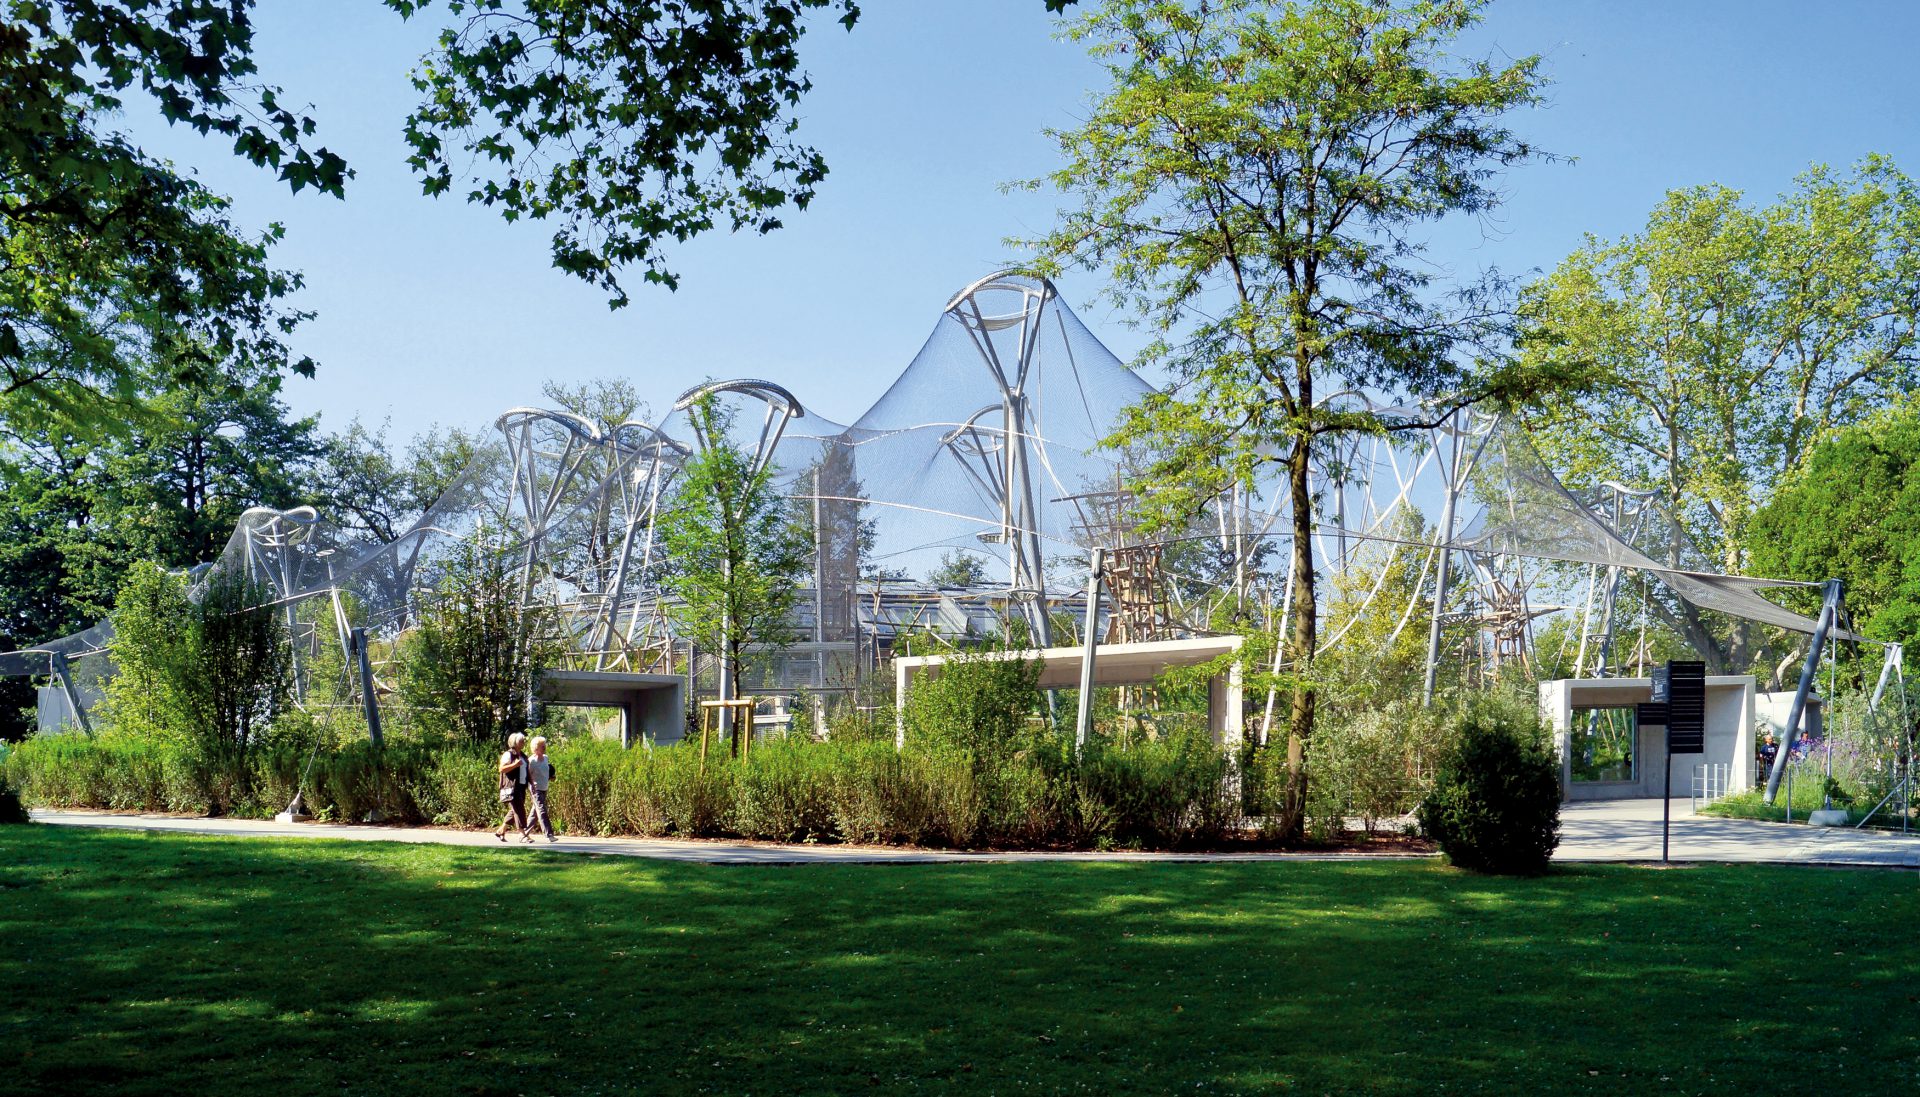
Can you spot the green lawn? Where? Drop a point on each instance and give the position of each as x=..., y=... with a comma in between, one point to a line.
x=173, y=964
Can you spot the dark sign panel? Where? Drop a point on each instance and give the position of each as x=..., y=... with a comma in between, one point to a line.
x=1653, y=714
x=1686, y=707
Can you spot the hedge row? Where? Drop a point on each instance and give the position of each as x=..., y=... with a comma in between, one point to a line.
x=1174, y=792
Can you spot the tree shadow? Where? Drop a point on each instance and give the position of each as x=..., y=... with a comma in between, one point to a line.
x=146, y=963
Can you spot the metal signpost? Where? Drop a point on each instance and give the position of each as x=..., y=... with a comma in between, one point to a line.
x=1679, y=705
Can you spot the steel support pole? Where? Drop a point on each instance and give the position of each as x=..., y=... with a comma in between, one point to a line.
x=1441, y=576
x=1084, y=719
x=819, y=588
x=368, y=701
x=1829, y=610
x=62, y=670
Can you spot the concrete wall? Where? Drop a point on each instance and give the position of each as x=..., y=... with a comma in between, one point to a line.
x=1729, y=739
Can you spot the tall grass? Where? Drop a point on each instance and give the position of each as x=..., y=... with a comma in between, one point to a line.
x=1177, y=791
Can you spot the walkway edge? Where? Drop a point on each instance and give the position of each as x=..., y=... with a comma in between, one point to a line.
x=664, y=849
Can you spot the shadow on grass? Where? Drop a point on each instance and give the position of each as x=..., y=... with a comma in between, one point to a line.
x=148, y=963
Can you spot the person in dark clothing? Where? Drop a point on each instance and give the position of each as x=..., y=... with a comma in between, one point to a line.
x=513, y=788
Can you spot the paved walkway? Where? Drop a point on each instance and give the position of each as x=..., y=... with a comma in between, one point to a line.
x=665, y=849
x=1629, y=830
x=1617, y=830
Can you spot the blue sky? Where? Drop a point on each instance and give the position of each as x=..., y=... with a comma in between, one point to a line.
x=432, y=311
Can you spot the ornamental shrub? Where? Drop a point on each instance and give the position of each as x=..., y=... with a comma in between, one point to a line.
x=980, y=703
x=586, y=772
x=785, y=791
x=1495, y=803
x=11, y=809
x=697, y=797
x=468, y=671
x=1171, y=791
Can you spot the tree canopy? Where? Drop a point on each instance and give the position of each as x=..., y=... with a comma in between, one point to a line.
x=1254, y=179
x=1851, y=510
x=1724, y=340
x=735, y=550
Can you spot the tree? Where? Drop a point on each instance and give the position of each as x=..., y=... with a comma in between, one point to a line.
x=242, y=664
x=630, y=125
x=470, y=669
x=109, y=261
x=1253, y=180
x=606, y=402
x=958, y=569
x=735, y=550
x=211, y=667
x=1725, y=340
x=212, y=451
x=1852, y=510
x=77, y=512
x=1377, y=614
x=95, y=234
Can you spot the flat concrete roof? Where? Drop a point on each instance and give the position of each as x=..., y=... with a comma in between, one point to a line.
x=1113, y=664
x=1627, y=691
x=587, y=686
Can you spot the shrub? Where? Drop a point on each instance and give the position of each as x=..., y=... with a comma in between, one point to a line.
x=634, y=804
x=12, y=810
x=355, y=781
x=696, y=797
x=1167, y=792
x=463, y=789
x=467, y=672
x=586, y=772
x=113, y=772
x=1495, y=804
x=210, y=674
x=977, y=703
x=785, y=791
x=1374, y=764
x=1021, y=801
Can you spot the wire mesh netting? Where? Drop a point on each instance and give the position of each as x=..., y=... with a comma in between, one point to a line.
x=989, y=442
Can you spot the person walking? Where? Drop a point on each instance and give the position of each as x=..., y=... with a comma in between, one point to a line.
x=513, y=788
x=539, y=775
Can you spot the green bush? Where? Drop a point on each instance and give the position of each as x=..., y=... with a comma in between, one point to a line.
x=12, y=810
x=1173, y=791
x=468, y=669
x=925, y=796
x=1021, y=801
x=586, y=773
x=1167, y=792
x=785, y=791
x=109, y=772
x=696, y=796
x=634, y=805
x=978, y=703
x=1374, y=764
x=1495, y=803
x=463, y=789
x=209, y=676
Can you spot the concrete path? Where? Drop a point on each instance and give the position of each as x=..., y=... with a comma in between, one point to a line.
x=1629, y=830
x=1618, y=830
x=665, y=849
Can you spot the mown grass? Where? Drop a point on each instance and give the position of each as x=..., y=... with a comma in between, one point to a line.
x=169, y=964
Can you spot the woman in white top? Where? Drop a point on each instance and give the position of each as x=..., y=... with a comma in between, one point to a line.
x=539, y=774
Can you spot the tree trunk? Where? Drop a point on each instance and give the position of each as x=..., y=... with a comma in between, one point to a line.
x=1293, y=805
